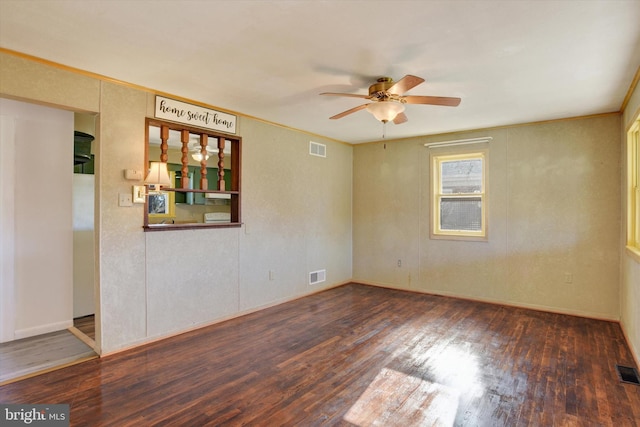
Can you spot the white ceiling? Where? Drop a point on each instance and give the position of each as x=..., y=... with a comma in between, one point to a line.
x=511, y=61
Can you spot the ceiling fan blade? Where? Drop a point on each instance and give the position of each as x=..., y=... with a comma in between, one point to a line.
x=400, y=118
x=432, y=100
x=345, y=113
x=404, y=84
x=351, y=95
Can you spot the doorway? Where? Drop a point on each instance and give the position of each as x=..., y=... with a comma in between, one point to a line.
x=84, y=226
x=36, y=231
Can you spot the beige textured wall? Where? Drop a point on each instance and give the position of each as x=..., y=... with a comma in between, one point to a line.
x=554, y=208
x=554, y=197
x=630, y=281
x=296, y=209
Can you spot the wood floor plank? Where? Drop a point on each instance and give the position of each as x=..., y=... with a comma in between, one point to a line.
x=359, y=355
x=86, y=325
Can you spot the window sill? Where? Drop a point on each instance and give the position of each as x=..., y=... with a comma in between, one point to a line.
x=634, y=253
x=458, y=237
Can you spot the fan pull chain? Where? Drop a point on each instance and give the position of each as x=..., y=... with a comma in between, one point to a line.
x=384, y=130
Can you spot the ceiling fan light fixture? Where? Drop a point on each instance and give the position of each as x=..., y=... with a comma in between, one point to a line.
x=385, y=111
x=196, y=152
x=197, y=156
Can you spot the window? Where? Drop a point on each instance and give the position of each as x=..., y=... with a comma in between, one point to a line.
x=459, y=189
x=633, y=200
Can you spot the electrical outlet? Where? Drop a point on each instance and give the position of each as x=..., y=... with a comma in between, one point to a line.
x=568, y=278
x=272, y=275
x=399, y=263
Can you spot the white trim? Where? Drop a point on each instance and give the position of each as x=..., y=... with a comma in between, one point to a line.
x=436, y=196
x=458, y=142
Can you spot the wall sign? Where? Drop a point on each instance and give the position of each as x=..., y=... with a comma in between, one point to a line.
x=188, y=114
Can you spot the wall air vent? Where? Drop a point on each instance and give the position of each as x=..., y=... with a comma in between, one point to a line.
x=317, y=277
x=316, y=149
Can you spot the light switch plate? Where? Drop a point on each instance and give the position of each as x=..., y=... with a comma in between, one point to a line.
x=139, y=192
x=125, y=200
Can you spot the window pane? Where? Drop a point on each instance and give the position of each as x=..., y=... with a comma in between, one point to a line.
x=462, y=176
x=637, y=218
x=637, y=165
x=461, y=214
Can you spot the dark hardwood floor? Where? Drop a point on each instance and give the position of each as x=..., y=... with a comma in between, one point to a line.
x=86, y=325
x=359, y=355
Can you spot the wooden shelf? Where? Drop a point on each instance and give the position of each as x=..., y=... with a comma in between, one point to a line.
x=190, y=190
x=190, y=226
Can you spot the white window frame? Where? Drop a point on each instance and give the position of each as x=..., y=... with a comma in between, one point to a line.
x=633, y=186
x=436, y=160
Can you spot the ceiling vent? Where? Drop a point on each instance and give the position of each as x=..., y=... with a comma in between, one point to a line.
x=316, y=149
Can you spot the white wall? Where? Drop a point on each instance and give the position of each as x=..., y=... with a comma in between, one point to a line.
x=42, y=234
x=83, y=245
x=553, y=208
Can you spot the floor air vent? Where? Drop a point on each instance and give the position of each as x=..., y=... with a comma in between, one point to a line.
x=628, y=374
x=316, y=149
x=317, y=276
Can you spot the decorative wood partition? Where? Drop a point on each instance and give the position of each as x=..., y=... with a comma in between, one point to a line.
x=185, y=135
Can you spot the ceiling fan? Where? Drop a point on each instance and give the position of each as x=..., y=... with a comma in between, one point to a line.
x=388, y=99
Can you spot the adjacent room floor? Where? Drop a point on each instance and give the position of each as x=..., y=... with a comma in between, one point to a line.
x=30, y=356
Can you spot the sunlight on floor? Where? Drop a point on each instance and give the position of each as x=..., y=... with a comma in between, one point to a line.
x=444, y=376
x=397, y=399
x=457, y=367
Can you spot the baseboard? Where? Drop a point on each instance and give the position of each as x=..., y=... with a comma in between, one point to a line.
x=42, y=329
x=153, y=339
x=536, y=307
x=634, y=353
x=149, y=340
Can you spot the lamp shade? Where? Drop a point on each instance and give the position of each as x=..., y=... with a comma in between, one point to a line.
x=385, y=110
x=158, y=174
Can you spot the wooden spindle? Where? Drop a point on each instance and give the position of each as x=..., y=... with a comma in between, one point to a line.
x=204, y=183
x=164, y=147
x=221, y=183
x=185, y=159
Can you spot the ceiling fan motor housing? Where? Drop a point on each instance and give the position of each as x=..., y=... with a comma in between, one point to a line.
x=379, y=90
